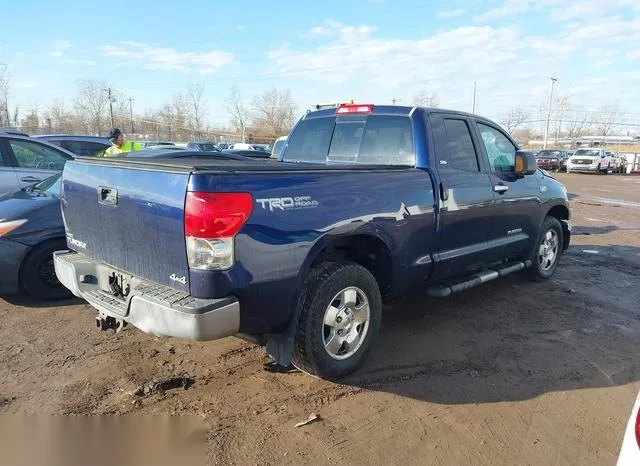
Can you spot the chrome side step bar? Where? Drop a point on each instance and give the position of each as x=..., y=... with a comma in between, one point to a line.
x=448, y=288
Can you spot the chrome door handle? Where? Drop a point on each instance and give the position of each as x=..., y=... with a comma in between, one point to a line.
x=30, y=179
x=500, y=188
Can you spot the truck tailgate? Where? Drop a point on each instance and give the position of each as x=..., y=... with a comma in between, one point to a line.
x=129, y=218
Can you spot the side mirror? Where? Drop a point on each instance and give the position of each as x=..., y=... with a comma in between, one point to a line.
x=525, y=163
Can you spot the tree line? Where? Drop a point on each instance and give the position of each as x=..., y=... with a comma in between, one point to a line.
x=96, y=107
x=565, y=121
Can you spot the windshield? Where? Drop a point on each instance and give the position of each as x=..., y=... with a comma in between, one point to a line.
x=207, y=147
x=589, y=152
x=50, y=185
x=549, y=153
x=360, y=139
x=277, y=147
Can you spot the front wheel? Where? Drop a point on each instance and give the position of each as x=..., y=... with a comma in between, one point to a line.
x=547, y=250
x=340, y=315
x=38, y=275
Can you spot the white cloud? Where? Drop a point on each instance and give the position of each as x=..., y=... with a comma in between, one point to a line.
x=578, y=9
x=634, y=55
x=450, y=14
x=510, y=64
x=60, y=47
x=508, y=8
x=21, y=54
x=166, y=58
x=240, y=27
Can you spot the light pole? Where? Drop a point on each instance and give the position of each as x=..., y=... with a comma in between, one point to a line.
x=473, y=102
x=546, y=131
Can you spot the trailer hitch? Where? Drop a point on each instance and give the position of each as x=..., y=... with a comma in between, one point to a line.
x=104, y=323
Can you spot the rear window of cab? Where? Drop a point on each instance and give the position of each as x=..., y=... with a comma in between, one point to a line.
x=353, y=139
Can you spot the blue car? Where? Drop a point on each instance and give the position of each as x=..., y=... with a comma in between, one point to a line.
x=31, y=229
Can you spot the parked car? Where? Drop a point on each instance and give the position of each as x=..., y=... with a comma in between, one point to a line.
x=31, y=230
x=223, y=146
x=162, y=146
x=249, y=153
x=244, y=146
x=368, y=201
x=201, y=146
x=550, y=159
x=147, y=144
x=589, y=160
x=86, y=146
x=630, y=449
x=277, y=146
x=614, y=165
x=25, y=161
x=623, y=163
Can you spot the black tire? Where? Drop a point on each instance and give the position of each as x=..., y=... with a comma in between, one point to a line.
x=324, y=284
x=37, y=275
x=542, y=271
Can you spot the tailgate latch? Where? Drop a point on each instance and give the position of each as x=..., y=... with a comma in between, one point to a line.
x=107, y=196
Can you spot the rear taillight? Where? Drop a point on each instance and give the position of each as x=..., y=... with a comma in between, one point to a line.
x=211, y=221
x=7, y=227
x=638, y=427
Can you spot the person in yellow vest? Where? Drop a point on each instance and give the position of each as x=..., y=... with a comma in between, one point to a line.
x=117, y=144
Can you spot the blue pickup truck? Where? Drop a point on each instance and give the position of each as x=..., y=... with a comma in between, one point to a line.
x=366, y=202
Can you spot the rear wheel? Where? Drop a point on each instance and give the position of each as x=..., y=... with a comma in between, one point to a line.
x=37, y=273
x=547, y=250
x=340, y=315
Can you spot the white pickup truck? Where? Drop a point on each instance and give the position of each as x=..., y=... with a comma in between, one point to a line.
x=590, y=160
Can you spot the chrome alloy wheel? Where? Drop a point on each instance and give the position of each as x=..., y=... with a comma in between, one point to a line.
x=346, y=323
x=548, y=250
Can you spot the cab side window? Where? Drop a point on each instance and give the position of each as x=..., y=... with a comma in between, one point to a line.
x=458, y=151
x=501, y=151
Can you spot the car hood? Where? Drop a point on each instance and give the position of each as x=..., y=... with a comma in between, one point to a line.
x=39, y=210
x=584, y=157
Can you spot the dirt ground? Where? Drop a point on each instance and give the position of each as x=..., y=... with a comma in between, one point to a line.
x=513, y=372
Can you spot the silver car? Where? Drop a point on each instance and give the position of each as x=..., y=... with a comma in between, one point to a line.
x=25, y=161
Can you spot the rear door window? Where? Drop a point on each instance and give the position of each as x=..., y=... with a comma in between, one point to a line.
x=360, y=139
x=85, y=148
x=31, y=154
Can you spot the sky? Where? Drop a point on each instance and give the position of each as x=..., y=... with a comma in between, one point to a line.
x=371, y=50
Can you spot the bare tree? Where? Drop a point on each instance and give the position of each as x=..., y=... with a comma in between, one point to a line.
x=577, y=125
x=194, y=97
x=31, y=122
x=91, y=103
x=426, y=99
x=607, y=117
x=238, y=110
x=559, y=108
x=5, y=119
x=274, y=112
x=514, y=118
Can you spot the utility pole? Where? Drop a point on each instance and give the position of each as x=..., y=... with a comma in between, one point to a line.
x=546, y=131
x=394, y=100
x=131, y=99
x=473, y=101
x=108, y=89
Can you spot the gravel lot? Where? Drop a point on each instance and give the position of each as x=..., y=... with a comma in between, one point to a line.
x=513, y=372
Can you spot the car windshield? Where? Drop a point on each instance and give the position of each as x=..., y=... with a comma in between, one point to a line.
x=549, y=153
x=50, y=185
x=592, y=153
x=207, y=147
